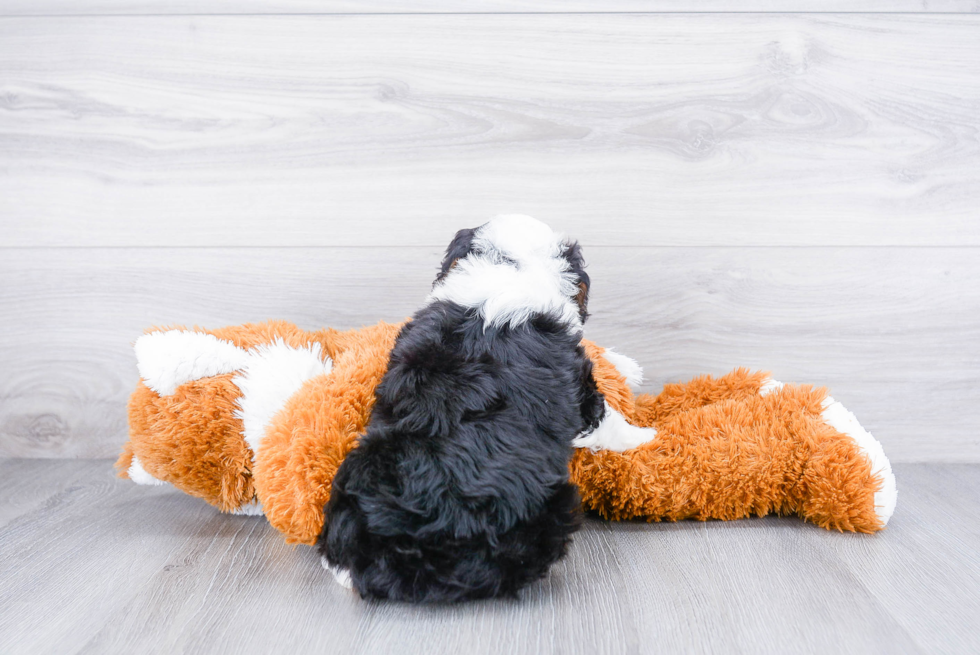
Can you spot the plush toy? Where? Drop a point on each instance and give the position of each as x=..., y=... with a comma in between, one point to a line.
x=256, y=419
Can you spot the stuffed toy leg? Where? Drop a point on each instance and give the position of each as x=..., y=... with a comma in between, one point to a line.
x=257, y=418
x=736, y=446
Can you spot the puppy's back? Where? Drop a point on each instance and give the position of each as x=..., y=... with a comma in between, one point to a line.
x=459, y=489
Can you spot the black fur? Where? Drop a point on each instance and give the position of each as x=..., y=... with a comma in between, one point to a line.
x=572, y=253
x=460, y=246
x=459, y=488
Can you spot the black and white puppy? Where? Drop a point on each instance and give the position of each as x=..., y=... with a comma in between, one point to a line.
x=459, y=488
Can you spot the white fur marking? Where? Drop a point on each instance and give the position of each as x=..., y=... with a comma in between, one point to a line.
x=515, y=271
x=769, y=386
x=169, y=359
x=342, y=576
x=626, y=366
x=614, y=433
x=273, y=373
x=252, y=508
x=837, y=417
x=139, y=475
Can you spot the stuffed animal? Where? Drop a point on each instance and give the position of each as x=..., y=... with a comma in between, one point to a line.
x=256, y=419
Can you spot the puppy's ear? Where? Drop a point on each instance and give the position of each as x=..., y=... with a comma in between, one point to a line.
x=458, y=248
x=582, y=298
x=572, y=253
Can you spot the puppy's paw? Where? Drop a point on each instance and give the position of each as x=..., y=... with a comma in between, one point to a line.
x=342, y=576
x=614, y=433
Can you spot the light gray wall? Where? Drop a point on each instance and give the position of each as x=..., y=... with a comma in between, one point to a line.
x=794, y=192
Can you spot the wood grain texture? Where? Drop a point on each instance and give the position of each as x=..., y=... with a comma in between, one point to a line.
x=83, y=555
x=766, y=576
x=48, y=479
x=666, y=129
x=110, y=567
x=192, y=7
x=894, y=332
x=930, y=498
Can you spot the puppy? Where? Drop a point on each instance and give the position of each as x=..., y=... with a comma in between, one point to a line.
x=459, y=487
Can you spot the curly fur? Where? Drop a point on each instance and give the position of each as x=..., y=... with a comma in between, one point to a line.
x=459, y=488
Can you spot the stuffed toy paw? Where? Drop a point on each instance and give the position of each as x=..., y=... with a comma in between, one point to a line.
x=257, y=418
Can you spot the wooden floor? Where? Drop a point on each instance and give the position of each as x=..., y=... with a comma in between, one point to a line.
x=93, y=564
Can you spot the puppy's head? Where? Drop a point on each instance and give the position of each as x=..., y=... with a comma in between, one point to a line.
x=512, y=268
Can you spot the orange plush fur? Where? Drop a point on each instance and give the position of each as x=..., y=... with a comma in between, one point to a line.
x=308, y=440
x=193, y=441
x=723, y=450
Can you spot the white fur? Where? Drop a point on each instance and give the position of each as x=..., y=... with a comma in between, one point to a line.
x=837, y=416
x=169, y=359
x=342, y=576
x=515, y=271
x=268, y=375
x=139, y=475
x=770, y=386
x=272, y=373
x=626, y=366
x=253, y=508
x=614, y=433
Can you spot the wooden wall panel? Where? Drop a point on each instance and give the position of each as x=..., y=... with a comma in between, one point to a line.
x=788, y=191
x=192, y=7
x=668, y=129
x=894, y=332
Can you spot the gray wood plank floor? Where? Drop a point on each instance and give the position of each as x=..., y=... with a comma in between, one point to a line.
x=93, y=564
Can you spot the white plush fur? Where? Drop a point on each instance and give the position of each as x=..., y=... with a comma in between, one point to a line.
x=139, y=475
x=169, y=359
x=626, y=366
x=515, y=271
x=342, y=576
x=837, y=417
x=271, y=374
x=614, y=433
x=253, y=508
x=769, y=386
